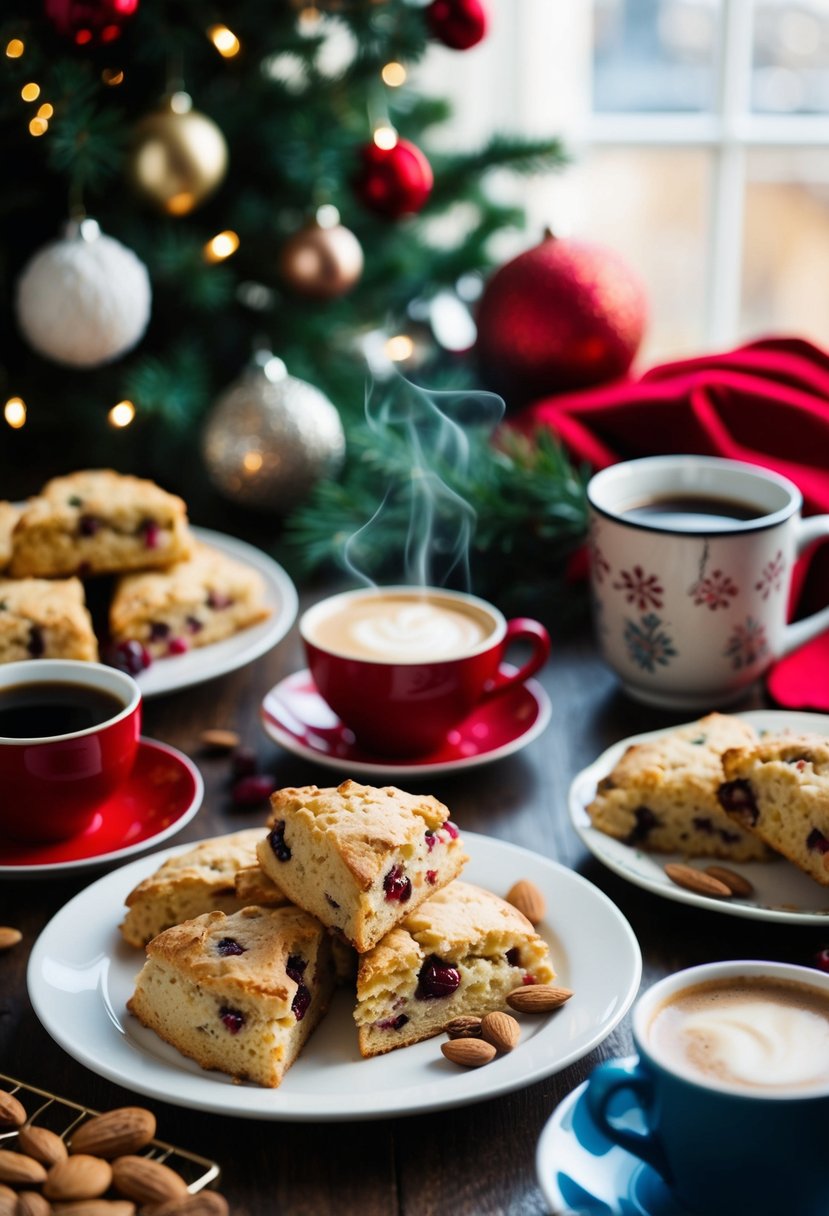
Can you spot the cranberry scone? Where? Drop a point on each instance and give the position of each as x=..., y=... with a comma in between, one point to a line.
x=662, y=794
x=359, y=858
x=779, y=790
x=98, y=522
x=216, y=875
x=45, y=619
x=193, y=603
x=239, y=993
x=460, y=952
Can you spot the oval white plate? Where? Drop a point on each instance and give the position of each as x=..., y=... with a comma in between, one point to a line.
x=206, y=662
x=781, y=891
x=81, y=974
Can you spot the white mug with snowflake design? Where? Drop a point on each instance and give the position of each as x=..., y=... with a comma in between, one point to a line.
x=691, y=563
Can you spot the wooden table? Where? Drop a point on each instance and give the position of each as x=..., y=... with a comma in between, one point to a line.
x=475, y=1161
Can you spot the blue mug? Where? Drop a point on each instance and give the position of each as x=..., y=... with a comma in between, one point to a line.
x=724, y=1146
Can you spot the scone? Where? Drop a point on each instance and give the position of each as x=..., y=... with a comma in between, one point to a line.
x=779, y=791
x=461, y=952
x=662, y=794
x=9, y=515
x=98, y=522
x=219, y=874
x=193, y=603
x=238, y=993
x=357, y=857
x=43, y=619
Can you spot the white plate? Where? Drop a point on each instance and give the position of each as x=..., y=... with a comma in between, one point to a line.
x=206, y=662
x=81, y=974
x=781, y=891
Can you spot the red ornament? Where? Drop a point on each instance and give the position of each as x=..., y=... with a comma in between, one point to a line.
x=89, y=22
x=563, y=315
x=394, y=181
x=458, y=23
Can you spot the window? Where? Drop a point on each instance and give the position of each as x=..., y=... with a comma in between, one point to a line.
x=699, y=131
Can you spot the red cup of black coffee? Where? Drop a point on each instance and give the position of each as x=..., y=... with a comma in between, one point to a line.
x=69, y=734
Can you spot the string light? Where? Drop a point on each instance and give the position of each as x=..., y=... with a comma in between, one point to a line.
x=385, y=137
x=399, y=348
x=14, y=412
x=122, y=414
x=221, y=246
x=30, y=91
x=252, y=461
x=38, y=126
x=14, y=49
x=224, y=40
x=46, y=110
x=112, y=77
x=394, y=74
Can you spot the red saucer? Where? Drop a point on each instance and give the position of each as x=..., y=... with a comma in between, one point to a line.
x=296, y=717
x=162, y=794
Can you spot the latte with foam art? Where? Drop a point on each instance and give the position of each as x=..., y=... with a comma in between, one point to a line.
x=410, y=628
x=750, y=1034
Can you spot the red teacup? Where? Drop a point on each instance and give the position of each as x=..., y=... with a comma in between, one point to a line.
x=401, y=666
x=68, y=738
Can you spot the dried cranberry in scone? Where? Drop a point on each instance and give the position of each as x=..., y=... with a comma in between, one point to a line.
x=459, y=954
x=359, y=858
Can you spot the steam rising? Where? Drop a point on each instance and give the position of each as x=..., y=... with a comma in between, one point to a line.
x=431, y=434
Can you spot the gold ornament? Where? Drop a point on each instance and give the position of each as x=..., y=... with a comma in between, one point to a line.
x=323, y=259
x=270, y=437
x=178, y=157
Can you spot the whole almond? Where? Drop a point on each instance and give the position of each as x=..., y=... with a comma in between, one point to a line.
x=464, y=1027
x=78, y=1177
x=19, y=1169
x=12, y=1111
x=95, y=1207
x=538, y=998
x=123, y=1130
x=32, y=1203
x=9, y=937
x=219, y=740
x=8, y=1200
x=697, y=880
x=737, y=884
x=42, y=1144
x=472, y=1053
x=145, y=1180
x=203, y=1203
x=501, y=1030
x=526, y=897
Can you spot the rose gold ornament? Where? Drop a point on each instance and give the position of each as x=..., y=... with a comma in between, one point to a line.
x=324, y=259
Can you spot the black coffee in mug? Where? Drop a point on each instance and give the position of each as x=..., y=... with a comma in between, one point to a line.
x=691, y=512
x=45, y=708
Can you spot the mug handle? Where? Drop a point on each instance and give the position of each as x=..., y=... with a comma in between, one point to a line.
x=616, y=1076
x=528, y=630
x=795, y=635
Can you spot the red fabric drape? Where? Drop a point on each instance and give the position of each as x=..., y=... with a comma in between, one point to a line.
x=767, y=403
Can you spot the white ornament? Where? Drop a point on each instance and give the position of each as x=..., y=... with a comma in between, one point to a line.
x=83, y=300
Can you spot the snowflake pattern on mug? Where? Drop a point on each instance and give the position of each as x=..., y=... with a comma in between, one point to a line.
x=643, y=590
x=747, y=644
x=715, y=590
x=648, y=644
x=772, y=576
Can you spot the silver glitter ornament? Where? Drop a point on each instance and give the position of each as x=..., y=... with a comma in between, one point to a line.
x=270, y=437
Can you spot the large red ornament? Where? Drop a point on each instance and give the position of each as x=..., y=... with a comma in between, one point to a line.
x=89, y=22
x=458, y=23
x=394, y=181
x=563, y=315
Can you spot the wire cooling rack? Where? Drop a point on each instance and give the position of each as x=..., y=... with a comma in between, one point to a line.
x=59, y=1115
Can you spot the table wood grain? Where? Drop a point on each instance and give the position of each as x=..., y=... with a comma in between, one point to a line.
x=475, y=1161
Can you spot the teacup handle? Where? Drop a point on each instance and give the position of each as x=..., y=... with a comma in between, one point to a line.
x=795, y=635
x=528, y=630
x=615, y=1076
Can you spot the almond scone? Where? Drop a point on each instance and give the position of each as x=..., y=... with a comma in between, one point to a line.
x=97, y=521
x=359, y=858
x=461, y=952
x=45, y=619
x=9, y=515
x=220, y=874
x=201, y=600
x=239, y=993
x=779, y=791
x=662, y=794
